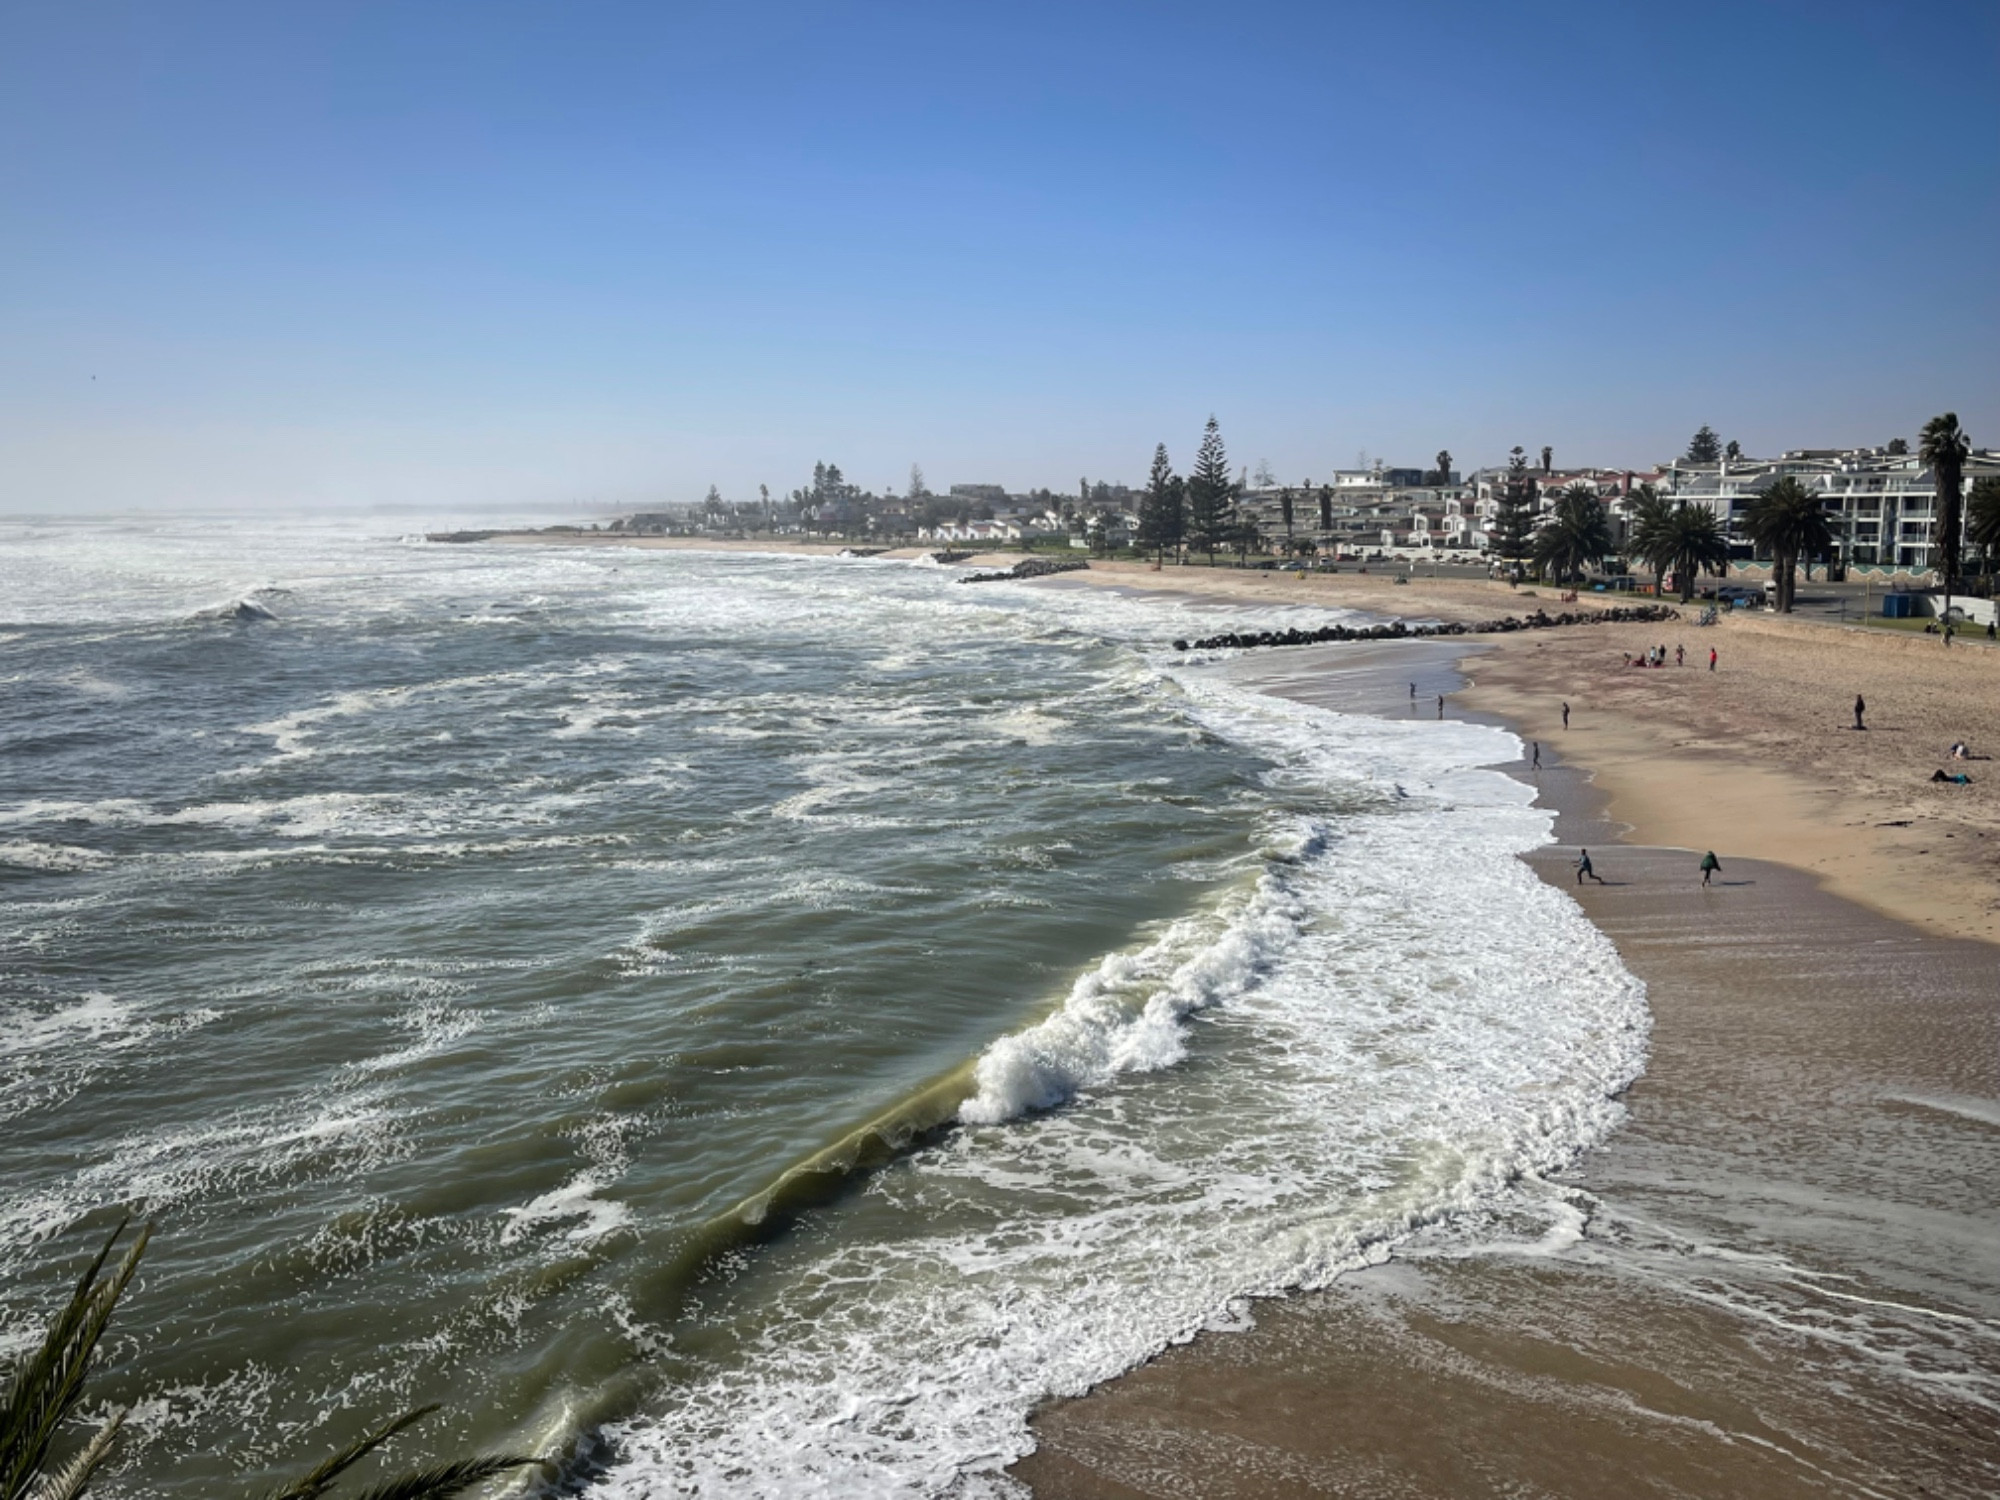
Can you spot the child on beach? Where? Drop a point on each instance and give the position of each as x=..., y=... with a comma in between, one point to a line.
x=1711, y=658
x=1583, y=868
x=1710, y=865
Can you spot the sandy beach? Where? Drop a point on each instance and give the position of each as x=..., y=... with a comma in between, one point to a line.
x=1777, y=1277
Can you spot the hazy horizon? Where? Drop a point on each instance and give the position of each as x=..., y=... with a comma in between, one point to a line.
x=485, y=258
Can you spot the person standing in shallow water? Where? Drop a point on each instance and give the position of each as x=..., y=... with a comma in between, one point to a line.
x=1584, y=867
x=1538, y=755
x=1565, y=716
x=1440, y=705
x=1860, y=708
x=1710, y=865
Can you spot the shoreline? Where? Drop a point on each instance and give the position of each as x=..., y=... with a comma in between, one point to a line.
x=1685, y=1334
x=1770, y=1279
x=1756, y=760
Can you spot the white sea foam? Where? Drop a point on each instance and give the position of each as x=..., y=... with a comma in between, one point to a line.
x=576, y=1204
x=1126, y=1015
x=1402, y=1020
x=95, y=1017
x=156, y=1171
x=27, y=854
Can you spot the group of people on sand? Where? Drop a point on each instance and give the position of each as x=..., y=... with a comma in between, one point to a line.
x=1710, y=867
x=1959, y=752
x=1657, y=657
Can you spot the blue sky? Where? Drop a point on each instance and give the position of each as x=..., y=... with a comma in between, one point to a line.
x=460, y=255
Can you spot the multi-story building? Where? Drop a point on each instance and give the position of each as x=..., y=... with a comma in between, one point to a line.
x=1881, y=506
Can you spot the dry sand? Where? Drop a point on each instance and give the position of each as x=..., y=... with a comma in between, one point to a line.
x=1759, y=758
x=1778, y=1278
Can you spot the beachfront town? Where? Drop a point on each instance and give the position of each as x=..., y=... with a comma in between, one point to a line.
x=1880, y=508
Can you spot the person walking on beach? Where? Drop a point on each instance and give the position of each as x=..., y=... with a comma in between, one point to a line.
x=1680, y=656
x=1583, y=868
x=1710, y=865
x=1565, y=716
x=1860, y=708
x=1538, y=755
x=1711, y=658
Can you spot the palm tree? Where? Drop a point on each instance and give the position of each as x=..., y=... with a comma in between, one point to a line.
x=1943, y=446
x=1647, y=512
x=1982, y=521
x=1575, y=536
x=1790, y=520
x=1682, y=541
x=45, y=1386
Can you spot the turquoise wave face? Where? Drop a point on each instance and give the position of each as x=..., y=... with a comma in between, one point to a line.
x=492, y=968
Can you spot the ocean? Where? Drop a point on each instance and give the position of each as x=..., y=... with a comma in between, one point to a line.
x=753, y=1025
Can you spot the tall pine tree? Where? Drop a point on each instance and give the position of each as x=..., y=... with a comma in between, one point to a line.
x=1514, y=518
x=1160, y=520
x=1210, y=494
x=1704, y=447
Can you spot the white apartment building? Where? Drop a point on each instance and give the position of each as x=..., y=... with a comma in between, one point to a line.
x=1882, y=507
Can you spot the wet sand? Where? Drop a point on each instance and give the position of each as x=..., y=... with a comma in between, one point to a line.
x=1781, y=1277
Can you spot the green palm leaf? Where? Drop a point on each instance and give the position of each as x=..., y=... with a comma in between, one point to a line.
x=45, y=1388
x=315, y=1483
x=444, y=1479
x=67, y=1482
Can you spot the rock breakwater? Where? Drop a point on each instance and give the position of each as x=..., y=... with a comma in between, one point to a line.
x=1028, y=567
x=1401, y=630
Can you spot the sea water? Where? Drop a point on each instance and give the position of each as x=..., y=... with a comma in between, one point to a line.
x=751, y=1025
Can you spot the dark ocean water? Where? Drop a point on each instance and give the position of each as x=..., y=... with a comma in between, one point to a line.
x=760, y=1022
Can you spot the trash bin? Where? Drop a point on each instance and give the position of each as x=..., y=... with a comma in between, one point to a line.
x=1898, y=606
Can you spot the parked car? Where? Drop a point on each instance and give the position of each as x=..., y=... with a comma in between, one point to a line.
x=1737, y=596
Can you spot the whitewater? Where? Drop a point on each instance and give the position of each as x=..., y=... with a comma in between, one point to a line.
x=755, y=1025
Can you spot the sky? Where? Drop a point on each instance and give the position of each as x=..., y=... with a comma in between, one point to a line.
x=599, y=255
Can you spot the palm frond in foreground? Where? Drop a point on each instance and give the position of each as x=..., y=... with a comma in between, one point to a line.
x=43, y=1390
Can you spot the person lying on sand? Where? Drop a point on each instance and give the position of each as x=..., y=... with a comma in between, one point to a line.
x=1956, y=778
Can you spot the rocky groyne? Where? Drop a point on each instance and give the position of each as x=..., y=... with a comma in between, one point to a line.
x=1397, y=630
x=1028, y=567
